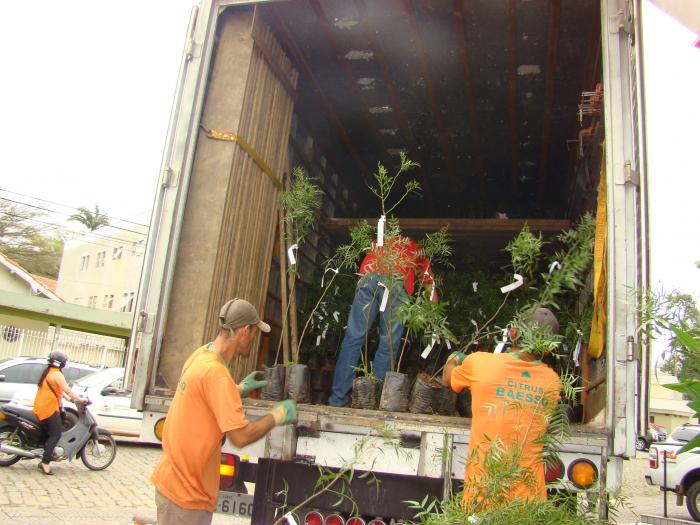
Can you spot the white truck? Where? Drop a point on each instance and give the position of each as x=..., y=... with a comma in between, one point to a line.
x=514, y=109
x=677, y=473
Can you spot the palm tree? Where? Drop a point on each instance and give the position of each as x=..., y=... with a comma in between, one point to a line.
x=90, y=220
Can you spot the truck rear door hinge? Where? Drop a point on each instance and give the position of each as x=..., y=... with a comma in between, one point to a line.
x=167, y=177
x=631, y=175
x=145, y=324
x=633, y=349
x=193, y=50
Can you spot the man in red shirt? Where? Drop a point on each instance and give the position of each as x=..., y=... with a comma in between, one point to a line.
x=387, y=276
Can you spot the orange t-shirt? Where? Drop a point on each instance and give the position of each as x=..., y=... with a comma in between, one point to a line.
x=47, y=402
x=205, y=406
x=511, y=401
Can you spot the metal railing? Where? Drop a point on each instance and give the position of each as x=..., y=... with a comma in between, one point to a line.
x=81, y=347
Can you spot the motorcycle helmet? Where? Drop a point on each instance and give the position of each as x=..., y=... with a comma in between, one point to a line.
x=57, y=359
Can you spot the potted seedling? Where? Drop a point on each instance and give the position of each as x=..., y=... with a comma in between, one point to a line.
x=299, y=206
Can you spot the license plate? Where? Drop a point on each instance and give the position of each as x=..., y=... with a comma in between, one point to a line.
x=235, y=503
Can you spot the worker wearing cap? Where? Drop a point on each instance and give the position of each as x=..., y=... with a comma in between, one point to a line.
x=206, y=407
x=513, y=396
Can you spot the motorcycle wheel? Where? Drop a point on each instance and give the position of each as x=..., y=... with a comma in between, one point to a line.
x=99, y=456
x=11, y=437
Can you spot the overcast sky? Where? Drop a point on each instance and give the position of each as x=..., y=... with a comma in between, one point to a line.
x=88, y=85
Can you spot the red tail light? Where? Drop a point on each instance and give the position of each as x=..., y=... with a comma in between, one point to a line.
x=313, y=518
x=553, y=471
x=356, y=521
x=653, y=458
x=335, y=519
x=377, y=522
x=228, y=467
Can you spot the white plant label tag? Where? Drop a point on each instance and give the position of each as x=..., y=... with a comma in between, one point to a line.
x=447, y=342
x=577, y=350
x=429, y=348
x=475, y=286
x=318, y=340
x=290, y=519
x=336, y=316
x=380, y=230
x=290, y=253
x=512, y=286
x=324, y=275
x=385, y=297
x=555, y=265
x=502, y=344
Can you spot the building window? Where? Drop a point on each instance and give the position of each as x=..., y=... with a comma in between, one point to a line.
x=85, y=262
x=101, y=256
x=117, y=252
x=127, y=302
x=108, y=302
x=92, y=301
x=137, y=248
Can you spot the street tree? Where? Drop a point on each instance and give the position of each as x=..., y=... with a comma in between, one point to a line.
x=91, y=220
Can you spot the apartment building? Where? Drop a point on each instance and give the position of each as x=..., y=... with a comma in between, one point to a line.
x=101, y=269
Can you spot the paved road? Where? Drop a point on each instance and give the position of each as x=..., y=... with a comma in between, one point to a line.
x=78, y=496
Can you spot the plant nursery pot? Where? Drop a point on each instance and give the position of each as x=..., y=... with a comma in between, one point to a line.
x=445, y=402
x=365, y=392
x=395, y=392
x=424, y=392
x=297, y=385
x=464, y=403
x=274, y=390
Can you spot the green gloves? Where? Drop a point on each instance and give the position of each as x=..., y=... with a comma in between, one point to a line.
x=284, y=412
x=458, y=357
x=251, y=382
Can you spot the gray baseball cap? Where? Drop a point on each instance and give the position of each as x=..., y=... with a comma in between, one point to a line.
x=239, y=312
x=544, y=316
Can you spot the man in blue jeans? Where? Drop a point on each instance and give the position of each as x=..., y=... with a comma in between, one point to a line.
x=387, y=277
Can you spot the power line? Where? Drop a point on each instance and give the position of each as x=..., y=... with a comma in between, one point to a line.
x=64, y=205
x=65, y=214
x=118, y=243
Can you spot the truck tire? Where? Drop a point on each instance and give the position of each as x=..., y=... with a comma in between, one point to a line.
x=641, y=443
x=692, y=500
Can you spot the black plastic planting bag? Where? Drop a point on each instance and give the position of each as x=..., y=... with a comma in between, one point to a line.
x=422, y=395
x=365, y=392
x=445, y=402
x=297, y=387
x=274, y=390
x=464, y=403
x=395, y=392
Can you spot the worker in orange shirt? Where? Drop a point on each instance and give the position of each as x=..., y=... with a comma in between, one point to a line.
x=48, y=404
x=206, y=407
x=513, y=396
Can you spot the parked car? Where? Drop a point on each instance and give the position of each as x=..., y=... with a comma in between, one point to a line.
x=655, y=434
x=684, y=433
x=110, y=402
x=678, y=473
x=18, y=372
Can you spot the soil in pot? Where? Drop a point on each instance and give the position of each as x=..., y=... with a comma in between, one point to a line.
x=297, y=385
x=445, y=402
x=395, y=392
x=365, y=392
x=424, y=391
x=274, y=390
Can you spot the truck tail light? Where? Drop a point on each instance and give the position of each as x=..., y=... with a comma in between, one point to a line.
x=228, y=467
x=356, y=521
x=313, y=518
x=377, y=522
x=158, y=428
x=334, y=519
x=582, y=473
x=653, y=458
x=553, y=471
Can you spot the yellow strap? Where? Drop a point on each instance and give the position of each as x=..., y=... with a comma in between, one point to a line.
x=596, y=343
x=235, y=137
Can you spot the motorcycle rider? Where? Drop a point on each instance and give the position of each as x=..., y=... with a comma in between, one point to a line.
x=48, y=404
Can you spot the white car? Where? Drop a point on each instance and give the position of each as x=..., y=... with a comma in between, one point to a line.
x=110, y=402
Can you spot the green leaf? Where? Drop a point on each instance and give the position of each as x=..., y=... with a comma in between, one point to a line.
x=687, y=340
x=693, y=443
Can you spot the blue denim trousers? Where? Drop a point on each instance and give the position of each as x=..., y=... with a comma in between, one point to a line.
x=363, y=313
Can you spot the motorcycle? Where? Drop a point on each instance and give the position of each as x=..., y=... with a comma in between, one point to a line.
x=22, y=436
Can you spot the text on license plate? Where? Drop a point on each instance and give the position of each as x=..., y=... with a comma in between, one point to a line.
x=235, y=503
